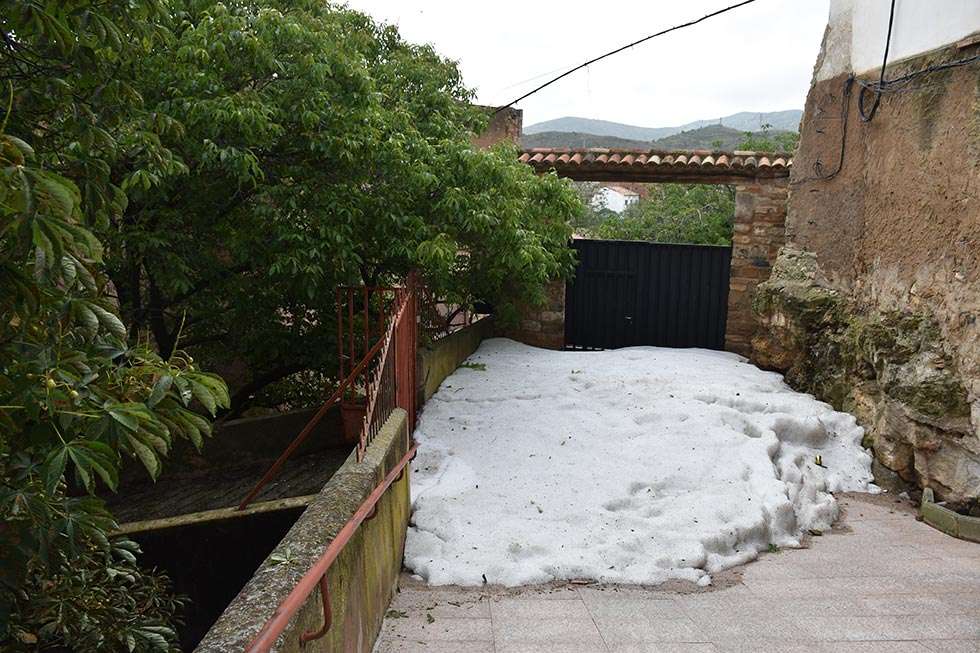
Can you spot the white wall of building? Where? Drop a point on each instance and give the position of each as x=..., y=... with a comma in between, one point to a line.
x=857, y=30
x=613, y=199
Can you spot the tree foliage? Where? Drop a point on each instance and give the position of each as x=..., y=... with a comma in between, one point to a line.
x=768, y=140
x=676, y=213
x=299, y=146
x=77, y=397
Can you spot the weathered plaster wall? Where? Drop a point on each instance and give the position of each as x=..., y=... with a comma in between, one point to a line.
x=363, y=578
x=874, y=305
x=858, y=28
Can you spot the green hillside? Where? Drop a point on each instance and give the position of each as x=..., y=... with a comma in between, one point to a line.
x=579, y=139
x=709, y=137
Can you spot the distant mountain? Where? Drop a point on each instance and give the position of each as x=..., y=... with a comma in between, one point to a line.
x=742, y=122
x=710, y=137
x=578, y=139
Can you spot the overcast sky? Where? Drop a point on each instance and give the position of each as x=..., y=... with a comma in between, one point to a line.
x=756, y=58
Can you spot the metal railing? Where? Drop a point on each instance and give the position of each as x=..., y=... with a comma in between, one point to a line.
x=439, y=317
x=316, y=577
x=384, y=371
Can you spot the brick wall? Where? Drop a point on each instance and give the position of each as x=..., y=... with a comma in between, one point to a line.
x=542, y=326
x=759, y=232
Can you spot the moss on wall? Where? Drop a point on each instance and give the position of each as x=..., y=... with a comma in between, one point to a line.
x=890, y=368
x=362, y=579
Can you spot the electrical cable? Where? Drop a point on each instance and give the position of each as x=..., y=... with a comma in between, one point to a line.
x=620, y=49
x=879, y=88
x=869, y=116
x=845, y=112
x=899, y=83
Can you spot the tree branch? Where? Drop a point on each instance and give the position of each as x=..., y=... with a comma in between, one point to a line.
x=243, y=396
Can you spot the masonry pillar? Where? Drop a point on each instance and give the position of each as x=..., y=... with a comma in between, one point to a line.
x=759, y=232
x=541, y=326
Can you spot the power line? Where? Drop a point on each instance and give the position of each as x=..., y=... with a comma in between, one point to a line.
x=620, y=49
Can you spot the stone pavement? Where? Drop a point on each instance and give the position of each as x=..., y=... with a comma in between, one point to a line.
x=881, y=582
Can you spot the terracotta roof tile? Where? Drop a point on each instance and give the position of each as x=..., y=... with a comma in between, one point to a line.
x=690, y=162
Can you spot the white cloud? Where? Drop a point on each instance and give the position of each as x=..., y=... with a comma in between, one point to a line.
x=756, y=58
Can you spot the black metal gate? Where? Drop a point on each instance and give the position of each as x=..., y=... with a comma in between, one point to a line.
x=629, y=293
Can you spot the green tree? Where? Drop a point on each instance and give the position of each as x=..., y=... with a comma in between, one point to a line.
x=769, y=141
x=76, y=397
x=676, y=213
x=315, y=148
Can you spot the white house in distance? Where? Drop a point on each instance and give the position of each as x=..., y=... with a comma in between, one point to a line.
x=614, y=198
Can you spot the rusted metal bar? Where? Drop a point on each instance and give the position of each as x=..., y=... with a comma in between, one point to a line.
x=350, y=323
x=310, y=425
x=309, y=636
x=367, y=317
x=340, y=334
x=270, y=632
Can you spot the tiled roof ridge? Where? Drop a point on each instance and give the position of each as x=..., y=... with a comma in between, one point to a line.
x=606, y=157
x=629, y=150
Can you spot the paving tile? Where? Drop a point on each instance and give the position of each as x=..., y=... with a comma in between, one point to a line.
x=842, y=628
x=931, y=626
x=548, y=647
x=417, y=627
x=624, y=608
x=832, y=587
x=953, y=646
x=900, y=604
x=642, y=593
x=579, y=631
x=629, y=606
x=664, y=647
x=838, y=605
x=765, y=645
x=517, y=608
x=960, y=603
x=745, y=626
x=617, y=631
x=409, y=646
x=443, y=605
x=947, y=584
x=874, y=647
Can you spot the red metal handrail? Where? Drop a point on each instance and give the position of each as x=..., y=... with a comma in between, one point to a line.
x=266, y=638
x=310, y=425
x=388, y=384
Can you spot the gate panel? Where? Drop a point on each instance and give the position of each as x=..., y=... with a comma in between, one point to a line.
x=628, y=293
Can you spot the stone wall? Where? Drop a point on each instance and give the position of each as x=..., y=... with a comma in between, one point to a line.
x=441, y=358
x=505, y=125
x=541, y=326
x=362, y=579
x=874, y=304
x=758, y=233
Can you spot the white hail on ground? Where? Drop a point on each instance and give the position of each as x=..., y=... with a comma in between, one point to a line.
x=632, y=466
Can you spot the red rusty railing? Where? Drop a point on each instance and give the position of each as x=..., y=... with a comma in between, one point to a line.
x=439, y=317
x=384, y=373
x=317, y=574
